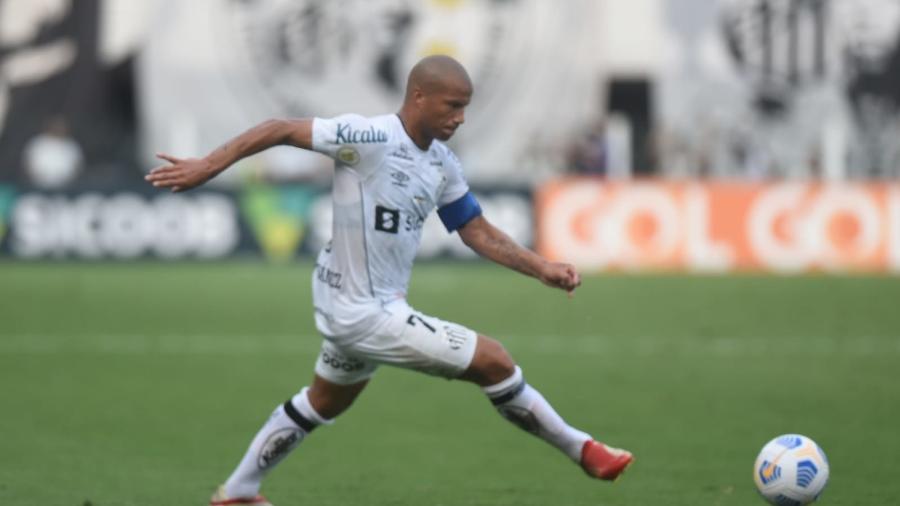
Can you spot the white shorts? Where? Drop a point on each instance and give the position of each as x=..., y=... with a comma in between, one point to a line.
x=405, y=338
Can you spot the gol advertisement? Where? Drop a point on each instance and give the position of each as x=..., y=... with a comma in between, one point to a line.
x=719, y=227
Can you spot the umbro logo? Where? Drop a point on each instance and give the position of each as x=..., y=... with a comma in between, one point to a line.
x=400, y=178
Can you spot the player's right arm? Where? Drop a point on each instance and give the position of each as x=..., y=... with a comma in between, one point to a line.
x=181, y=174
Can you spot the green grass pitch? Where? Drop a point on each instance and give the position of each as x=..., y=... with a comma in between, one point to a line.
x=142, y=385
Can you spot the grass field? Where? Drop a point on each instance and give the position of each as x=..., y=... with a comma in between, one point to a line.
x=142, y=385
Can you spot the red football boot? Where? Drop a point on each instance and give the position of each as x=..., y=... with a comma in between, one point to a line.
x=604, y=462
x=220, y=498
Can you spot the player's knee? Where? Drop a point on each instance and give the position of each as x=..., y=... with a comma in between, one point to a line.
x=492, y=363
x=329, y=399
x=502, y=366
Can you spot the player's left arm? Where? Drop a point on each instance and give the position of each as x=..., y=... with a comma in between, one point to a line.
x=493, y=244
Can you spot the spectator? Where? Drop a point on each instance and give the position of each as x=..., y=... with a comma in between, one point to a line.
x=588, y=155
x=53, y=158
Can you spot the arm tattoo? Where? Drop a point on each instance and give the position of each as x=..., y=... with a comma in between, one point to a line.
x=222, y=149
x=500, y=248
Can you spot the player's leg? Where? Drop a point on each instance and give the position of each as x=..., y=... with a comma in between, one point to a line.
x=338, y=380
x=493, y=369
x=330, y=399
x=413, y=340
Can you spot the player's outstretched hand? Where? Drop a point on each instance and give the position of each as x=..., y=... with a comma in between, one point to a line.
x=180, y=174
x=562, y=276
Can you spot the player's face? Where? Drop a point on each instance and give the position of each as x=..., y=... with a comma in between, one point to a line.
x=444, y=110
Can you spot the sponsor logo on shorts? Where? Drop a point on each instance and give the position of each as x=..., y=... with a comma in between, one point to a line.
x=277, y=447
x=346, y=364
x=456, y=337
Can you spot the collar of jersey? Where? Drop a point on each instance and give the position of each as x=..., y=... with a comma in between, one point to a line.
x=411, y=141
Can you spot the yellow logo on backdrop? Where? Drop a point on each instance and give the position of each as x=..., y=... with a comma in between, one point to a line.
x=277, y=217
x=280, y=236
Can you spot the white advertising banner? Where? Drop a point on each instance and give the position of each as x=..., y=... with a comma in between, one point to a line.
x=212, y=68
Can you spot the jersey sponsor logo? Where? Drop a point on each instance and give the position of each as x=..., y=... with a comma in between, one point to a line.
x=413, y=222
x=328, y=276
x=402, y=152
x=346, y=134
x=512, y=210
x=400, y=179
x=277, y=446
x=348, y=155
x=387, y=220
x=435, y=160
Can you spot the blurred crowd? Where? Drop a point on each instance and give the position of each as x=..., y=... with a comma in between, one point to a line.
x=751, y=90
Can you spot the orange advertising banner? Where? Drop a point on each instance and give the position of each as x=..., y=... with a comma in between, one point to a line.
x=720, y=227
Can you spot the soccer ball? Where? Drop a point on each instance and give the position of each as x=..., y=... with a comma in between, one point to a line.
x=791, y=470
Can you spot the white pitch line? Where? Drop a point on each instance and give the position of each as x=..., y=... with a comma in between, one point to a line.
x=599, y=345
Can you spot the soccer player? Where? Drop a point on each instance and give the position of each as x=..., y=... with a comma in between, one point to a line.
x=391, y=171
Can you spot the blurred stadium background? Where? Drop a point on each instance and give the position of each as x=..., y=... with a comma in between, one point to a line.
x=725, y=172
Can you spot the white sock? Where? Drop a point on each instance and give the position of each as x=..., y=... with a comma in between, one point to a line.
x=282, y=432
x=527, y=408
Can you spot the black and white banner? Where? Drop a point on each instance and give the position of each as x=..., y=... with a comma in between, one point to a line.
x=279, y=223
x=535, y=67
x=781, y=88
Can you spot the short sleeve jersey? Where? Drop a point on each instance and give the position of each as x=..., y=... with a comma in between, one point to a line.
x=384, y=188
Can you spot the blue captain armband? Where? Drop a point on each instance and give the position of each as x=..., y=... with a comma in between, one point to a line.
x=459, y=212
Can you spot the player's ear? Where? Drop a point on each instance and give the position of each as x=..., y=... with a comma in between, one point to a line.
x=419, y=96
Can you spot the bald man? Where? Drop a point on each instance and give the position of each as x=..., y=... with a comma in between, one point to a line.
x=391, y=171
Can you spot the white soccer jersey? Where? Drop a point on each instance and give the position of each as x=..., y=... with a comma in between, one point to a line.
x=384, y=188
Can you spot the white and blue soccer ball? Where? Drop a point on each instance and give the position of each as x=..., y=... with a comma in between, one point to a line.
x=791, y=470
